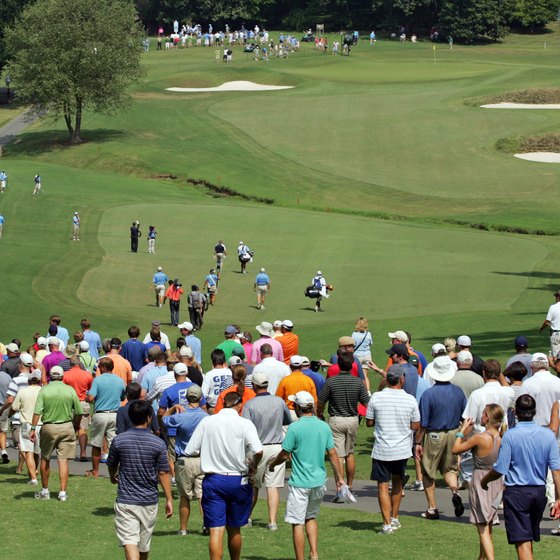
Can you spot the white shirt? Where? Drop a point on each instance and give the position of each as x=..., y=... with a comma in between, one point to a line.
x=275, y=370
x=164, y=340
x=393, y=410
x=545, y=389
x=225, y=442
x=215, y=381
x=159, y=386
x=491, y=392
x=553, y=316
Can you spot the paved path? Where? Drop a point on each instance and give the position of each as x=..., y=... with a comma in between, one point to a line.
x=414, y=503
x=10, y=130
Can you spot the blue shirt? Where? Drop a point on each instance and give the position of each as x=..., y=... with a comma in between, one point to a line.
x=135, y=352
x=196, y=346
x=262, y=279
x=151, y=375
x=63, y=335
x=317, y=378
x=94, y=341
x=1, y=219
x=184, y=425
x=176, y=394
x=526, y=453
x=160, y=278
x=411, y=378
x=108, y=390
x=423, y=386
x=212, y=280
x=441, y=407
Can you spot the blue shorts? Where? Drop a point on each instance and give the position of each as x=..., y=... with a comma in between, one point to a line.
x=523, y=511
x=226, y=500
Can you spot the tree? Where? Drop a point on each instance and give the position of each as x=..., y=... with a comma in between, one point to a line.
x=534, y=13
x=73, y=55
x=9, y=11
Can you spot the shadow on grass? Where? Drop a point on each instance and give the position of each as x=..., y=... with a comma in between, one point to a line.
x=25, y=495
x=261, y=558
x=359, y=525
x=15, y=480
x=533, y=274
x=41, y=142
x=103, y=511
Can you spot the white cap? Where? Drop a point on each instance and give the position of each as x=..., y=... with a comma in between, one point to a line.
x=180, y=369
x=437, y=348
x=296, y=361
x=302, y=398
x=56, y=371
x=186, y=352
x=235, y=361
x=84, y=345
x=262, y=269
x=288, y=324
x=539, y=357
x=159, y=268
x=319, y=273
x=464, y=356
x=53, y=340
x=12, y=347
x=41, y=341
x=277, y=324
x=464, y=340
x=399, y=335
x=26, y=359
x=186, y=325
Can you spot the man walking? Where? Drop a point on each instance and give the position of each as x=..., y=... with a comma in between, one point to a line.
x=173, y=294
x=294, y=383
x=288, y=340
x=526, y=453
x=59, y=409
x=274, y=369
x=343, y=392
x=261, y=287
x=395, y=415
x=76, y=227
x=36, y=185
x=3, y=181
x=227, y=496
x=553, y=322
x=244, y=254
x=159, y=281
x=211, y=286
x=1, y=223
x=137, y=460
x=134, y=350
x=197, y=304
x=220, y=253
x=268, y=413
x=307, y=441
x=135, y=234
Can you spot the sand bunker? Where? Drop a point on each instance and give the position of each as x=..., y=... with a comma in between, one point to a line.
x=231, y=86
x=521, y=106
x=541, y=157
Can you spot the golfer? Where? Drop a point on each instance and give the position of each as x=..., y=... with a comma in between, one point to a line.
x=245, y=255
x=320, y=284
x=159, y=280
x=261, y=287
x=76, y=227
x=135, y=234
x=220, y=253
x=3, y=181
x=37, y=186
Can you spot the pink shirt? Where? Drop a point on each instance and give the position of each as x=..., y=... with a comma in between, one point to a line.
x=277, y=351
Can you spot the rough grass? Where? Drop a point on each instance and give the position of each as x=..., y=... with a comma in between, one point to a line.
x=524, y=144
x=539, y=96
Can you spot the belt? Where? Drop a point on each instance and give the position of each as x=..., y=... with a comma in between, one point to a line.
x=227, y=473
x=106, y=411
x=65, y=422
x=279, y=443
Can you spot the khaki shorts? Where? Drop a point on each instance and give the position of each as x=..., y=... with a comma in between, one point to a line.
x=303, y=504
x=171, y=449
x=437, y=454
x=5, y=421
x=189, y=475
x=25, y=444
x=86, y=416
x=264, y=477
x=344, y=432
x=262, y=289
x=135, y=524
x=59, y=437
x=104, y=424
x=160, y=289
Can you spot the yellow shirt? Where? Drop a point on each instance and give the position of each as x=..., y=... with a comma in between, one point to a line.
x=292, y=384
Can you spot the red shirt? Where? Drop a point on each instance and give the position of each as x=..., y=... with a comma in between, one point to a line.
x=173, y=293
x=335, y=370
x=80, y=380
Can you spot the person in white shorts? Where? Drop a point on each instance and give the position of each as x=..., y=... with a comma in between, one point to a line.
x=553, y=322
x=37, y=186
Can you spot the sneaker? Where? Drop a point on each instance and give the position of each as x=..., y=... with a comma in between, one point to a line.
x=458, y=504
x=272, y=527
x=43, y=495
x=555, y=532
x=434, y=514
x=205, y=531
x=5, y=458
x=104, y=458
x=337, y=500
x=249, y=523
x=173, y=481
x=395, y=524
x=62, y=496
x=33, y=482
x=417, y=486
x=386, y=530
x=182, y=532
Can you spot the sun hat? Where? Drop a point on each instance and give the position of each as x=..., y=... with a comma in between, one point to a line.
x=265, y=329
x=442, y=369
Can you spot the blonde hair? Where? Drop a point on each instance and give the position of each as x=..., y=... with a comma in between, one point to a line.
x=361, y=325
x=496, y=417
x=450, y=344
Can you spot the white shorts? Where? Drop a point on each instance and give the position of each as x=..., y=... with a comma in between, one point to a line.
x=160, y=289
x=263, y=476
x=5, y=421
x=135, y=524
x=25, y=444
x=262, y=289
x=303, y=504
x=104, y=424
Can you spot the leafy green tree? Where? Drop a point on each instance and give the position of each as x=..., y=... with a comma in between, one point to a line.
x=534, y=13
x=73, y=55
x=9, y=11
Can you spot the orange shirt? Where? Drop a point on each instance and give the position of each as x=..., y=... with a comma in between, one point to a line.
x=80, y=380
x=122, y=368
x=292, y=384
x=173, y=293
x=248, y=394
x=290, y=345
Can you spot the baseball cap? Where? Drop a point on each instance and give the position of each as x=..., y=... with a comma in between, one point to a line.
x=41, y=341
x=235, y=361
x=464, y=356
x=319, y=273
x=394, y=373
x=262, y=270
x=12, y=347
x=260, y=379
x=296, y=361
x=346, y=341
x=399, y=335
x=194, y=393
x=186, y=352
x=84, y=345
x=159, y=268
x=399, y=350
x=230, y=329
x=464, y=340
x=521, y=341
x=26, y=359
x=305, y=361
x=53, y=340
x=56, y=371
x=302, y=398
x=277, y=324
x=288, y=324
x=437, y=348
x=156, y=323
x=539, y=357
x=35, y=374
x=186, y=325
x=180, y=369
x=75, y=213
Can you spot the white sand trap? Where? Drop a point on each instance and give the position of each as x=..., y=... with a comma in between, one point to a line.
x=521, y=106
x=231, y=86
x=541, y=157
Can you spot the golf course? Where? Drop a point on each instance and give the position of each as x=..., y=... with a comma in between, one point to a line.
x=379, y=168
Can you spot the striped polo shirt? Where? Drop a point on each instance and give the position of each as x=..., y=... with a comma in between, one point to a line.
x=344, y=392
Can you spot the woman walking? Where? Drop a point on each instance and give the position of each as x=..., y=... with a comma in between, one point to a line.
x=152, y=239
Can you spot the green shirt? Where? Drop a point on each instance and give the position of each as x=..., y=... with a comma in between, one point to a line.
x=228, y=346
x=307, y=440
x=57, y=403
